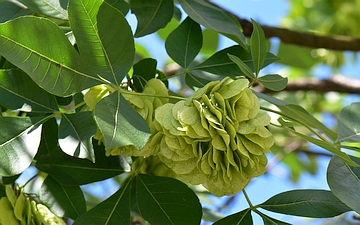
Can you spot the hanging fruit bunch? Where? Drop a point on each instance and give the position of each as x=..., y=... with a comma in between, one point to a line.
x=216, y=137
x=21, y=208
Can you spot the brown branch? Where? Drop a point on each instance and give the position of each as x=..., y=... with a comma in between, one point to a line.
x=307, y=39
x=336, y=83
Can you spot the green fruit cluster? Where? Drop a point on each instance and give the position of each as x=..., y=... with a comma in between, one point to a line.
x=20, y=209
x=216, y=138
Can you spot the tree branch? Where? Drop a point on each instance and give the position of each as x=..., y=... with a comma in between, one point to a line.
x=307, y=39
x=336, y=83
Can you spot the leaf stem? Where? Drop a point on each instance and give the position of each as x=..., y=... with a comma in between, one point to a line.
x=248, y=199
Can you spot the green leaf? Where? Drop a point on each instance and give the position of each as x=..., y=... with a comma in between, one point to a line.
x=55, y=66
x=18, y=91
x=10, y=10
x=117, y=41
x=271, y=221
x=164, y=200
x=194, y=81
x=344, y=181
x=64, y=101
x=64, y=201
x=298, y=114
x=75, y=134
x=243, y=217
x=215, y=19
x=273, y=82
x=242, y=66
x=349, y=123
x=83, y=19
x=210, y=41
x=259, y=47
x=119, y=122
x=121, y=5
x=151, y=15
x=104, y=38
x=307, y=203
x=184, y=43
x=144, y=70
x=51, y=8
x=220, y=63
x=19, y=141
x=69, y=170
x=2, y=191
x=114, y=210
x=49, y=138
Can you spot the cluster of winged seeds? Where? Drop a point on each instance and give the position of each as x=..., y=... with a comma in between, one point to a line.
x=216, y=138
x=22, y=209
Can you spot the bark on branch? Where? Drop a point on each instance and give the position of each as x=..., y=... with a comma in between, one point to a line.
x=307, y=39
